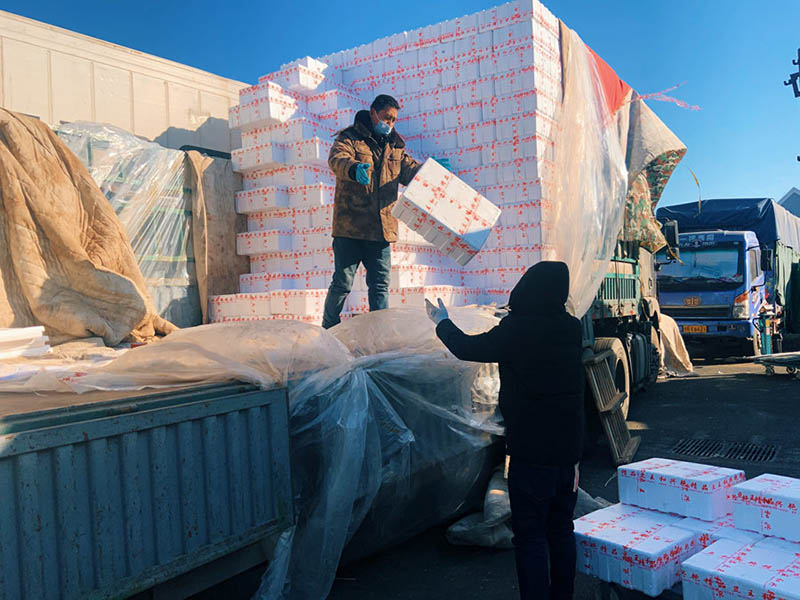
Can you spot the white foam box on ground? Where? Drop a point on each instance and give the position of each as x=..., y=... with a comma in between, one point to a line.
x=684, y=488
x=728, y=569
x=446, y=212
x=260, y=242
x=637, y=548
x=719, y=529
x=768, y=504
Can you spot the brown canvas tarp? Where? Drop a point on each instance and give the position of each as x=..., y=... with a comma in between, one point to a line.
x=65, y=261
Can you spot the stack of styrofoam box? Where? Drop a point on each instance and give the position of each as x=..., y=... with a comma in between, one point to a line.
x=768, y=504
x=768, y=570
x=482, y=90
x=637, y=548
x=685, y=488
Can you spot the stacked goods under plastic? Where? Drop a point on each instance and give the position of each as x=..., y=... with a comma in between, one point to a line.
x=722, y=555
x=481, y=90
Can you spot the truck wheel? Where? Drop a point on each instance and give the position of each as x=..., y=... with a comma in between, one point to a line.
x=752, y=346
x=618, y=363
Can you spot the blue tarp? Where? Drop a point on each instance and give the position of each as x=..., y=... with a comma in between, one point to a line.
x=763, y=216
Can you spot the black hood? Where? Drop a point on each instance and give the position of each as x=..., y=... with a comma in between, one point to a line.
x=363, y=125
x=543, y=289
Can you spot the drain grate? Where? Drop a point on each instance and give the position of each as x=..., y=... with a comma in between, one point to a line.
x=746, y=451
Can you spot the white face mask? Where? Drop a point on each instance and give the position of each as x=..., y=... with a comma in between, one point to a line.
x=382, y=128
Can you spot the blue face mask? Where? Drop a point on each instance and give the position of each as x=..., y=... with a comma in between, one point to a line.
x=382, y=128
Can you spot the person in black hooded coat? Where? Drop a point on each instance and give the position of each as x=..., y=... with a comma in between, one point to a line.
x=539, y=350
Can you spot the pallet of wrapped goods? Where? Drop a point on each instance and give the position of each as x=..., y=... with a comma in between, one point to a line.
x=637, y=548
x=767, y=570
x=683, y=488
x=446, y=212
x=768, y=504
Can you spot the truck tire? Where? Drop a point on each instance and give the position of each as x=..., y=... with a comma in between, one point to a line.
x=618, y=364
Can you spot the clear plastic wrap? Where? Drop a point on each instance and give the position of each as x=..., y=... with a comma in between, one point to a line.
x=383, y=445
x=588, y=181
x=146, y=185
x=381, y=450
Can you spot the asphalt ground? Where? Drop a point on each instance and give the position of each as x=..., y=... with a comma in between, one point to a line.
x=731, y=402
x=726, y=401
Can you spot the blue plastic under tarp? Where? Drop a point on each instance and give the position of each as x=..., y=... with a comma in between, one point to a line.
x=763, y=216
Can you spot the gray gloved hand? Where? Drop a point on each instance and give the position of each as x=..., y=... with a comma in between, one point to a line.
x=436, y=314
x=362, y=176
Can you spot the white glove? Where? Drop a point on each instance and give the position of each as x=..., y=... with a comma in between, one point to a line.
x=437, y=315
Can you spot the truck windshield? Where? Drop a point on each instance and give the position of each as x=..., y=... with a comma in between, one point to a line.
x=704, y=267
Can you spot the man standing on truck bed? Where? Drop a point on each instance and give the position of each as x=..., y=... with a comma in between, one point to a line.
x=370, y=161
x=539, y=350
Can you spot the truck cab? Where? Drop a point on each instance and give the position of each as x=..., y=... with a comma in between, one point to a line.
x=716, y=288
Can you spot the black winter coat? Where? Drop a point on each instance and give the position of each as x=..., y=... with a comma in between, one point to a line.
x=539, y=349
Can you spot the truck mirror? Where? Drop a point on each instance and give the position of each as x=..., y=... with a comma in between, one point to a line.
x=670, y=231
x=767, y=259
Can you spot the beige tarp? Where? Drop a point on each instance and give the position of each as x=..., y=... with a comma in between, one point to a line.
x=65, y=261
x=214, y=223
x=674, y=357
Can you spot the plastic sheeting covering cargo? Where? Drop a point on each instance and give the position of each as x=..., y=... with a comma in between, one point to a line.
x=147, y=187
x=390, y=434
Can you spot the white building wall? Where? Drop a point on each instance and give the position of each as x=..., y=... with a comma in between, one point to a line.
x=57, y=75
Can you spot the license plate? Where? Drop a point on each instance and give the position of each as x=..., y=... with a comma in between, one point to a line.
x=695, y=329
x=691, y=301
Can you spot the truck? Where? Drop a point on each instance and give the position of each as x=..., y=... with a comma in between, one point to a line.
x=729, y=285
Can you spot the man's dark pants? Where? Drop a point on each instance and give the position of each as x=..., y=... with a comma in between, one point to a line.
x=348, y=253
x=542, y=505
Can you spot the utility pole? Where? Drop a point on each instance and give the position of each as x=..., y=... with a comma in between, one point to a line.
x=794, y=80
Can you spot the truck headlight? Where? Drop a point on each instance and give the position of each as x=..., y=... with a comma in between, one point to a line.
x=741, y=306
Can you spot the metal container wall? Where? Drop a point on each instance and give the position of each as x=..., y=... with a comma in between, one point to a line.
x=106, y=500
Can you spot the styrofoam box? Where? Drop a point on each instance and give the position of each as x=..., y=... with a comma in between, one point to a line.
x=767, y=570
x=268, y=111
x=768, y=504
x=684, y=488
x=289, y=176
x=245, y=160
x=298, y=302
x=446, y=212
x=260, y=242
x=291, y=262
x=333, y=100
x=260, y=199
x=637, y=548
x=233, y=117
x=293, y=130
x=310, y=151
x=238, y=305
x=720, y=529
x=316, y=194
x=293, y=219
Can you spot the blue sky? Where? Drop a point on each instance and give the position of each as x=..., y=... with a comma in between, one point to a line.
x=733, y=55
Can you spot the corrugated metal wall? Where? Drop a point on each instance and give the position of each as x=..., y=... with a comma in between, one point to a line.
x=58, y=75
x=108, y=506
